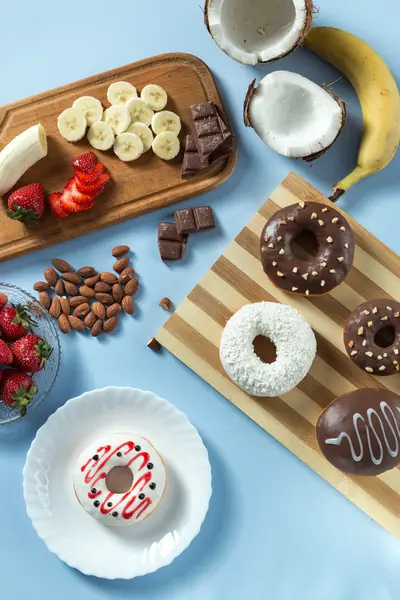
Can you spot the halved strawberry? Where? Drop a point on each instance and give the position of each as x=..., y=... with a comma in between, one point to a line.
x=69, y=203
x=55, y=205
x=85, y=163
x=93, y=188
x=88, y=178
x=78, y=196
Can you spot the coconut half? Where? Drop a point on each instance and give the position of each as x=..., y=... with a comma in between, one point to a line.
x=293, y=115
x=258, y=31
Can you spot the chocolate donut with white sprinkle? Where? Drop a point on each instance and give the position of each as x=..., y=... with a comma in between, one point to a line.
x=372, y=337
x=317, y=274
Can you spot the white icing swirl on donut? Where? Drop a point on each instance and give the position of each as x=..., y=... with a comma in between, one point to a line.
x=385, y=408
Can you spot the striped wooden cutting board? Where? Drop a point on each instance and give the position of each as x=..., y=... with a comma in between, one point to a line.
x=193, y=333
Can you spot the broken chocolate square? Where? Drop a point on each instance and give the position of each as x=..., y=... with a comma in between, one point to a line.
x=204, y=218
x=170, y=250
x=193, y=163
x=209, y=129
x=184, y=220
x=168, y=231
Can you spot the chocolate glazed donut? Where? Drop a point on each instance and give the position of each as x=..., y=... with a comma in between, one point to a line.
x=322, y=272
x=372, y=336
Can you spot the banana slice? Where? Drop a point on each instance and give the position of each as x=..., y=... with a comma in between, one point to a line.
x=72, y=124
x=128, y=146
x=166, y=145
x=121, y=92
x=101, y=136
x=166, y=121
x=154, y=96
x=139, y=111
x=118, y=118
x=91, y=108
x=144, y=133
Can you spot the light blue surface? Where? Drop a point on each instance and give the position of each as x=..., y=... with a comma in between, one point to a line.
x=275, y=529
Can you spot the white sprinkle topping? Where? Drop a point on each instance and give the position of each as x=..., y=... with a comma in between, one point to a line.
x=281, y=251
x=382, y=368
x=294, y=289
x=322, y=283
x=366, y=312
x=353, y=353
x=324, y=210
x=323, y=264
x=374, y=310
x=314, y=215
x=279, y=238
x=360, y=331
x=340, y=259
x=270, y=245
x=291, y=218
x=388, y=308
x=396, y=314
x=267, y=238
x=295, y=269
x=335, y=220
x=320, y=222
x=274, y=264
x=395, y=351
x=384, y=319
x=351, y=344
x=364, y=343
x=369, y=354
x=315, y=273
x=305, y=276
x=263, y=249
x=342, y=228
x=307, y=292
x=279, y=274
x=370, y=323
x=346, y=245
x=283, y=222
x=385, y=355
x=301, y=204
x=332, y=271
x=380, y=356
x=369, y=369
x=329, y=240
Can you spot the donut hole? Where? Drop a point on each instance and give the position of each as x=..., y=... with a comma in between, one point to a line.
x=305, y=245
x=385, y=337
x=119, y=480
x=264, y=349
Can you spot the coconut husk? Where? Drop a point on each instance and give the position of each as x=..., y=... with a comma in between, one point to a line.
x=249, y=95
x=342, y=105
x=206, y=22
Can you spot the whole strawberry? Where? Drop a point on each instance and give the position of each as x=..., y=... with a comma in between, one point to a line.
x=30, y=353
x=3, y=301
x=14, y=322
x=17, y=390
x=27, y=204
x=6, y=356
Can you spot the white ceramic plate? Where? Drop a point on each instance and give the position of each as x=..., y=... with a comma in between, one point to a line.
x=78, y=539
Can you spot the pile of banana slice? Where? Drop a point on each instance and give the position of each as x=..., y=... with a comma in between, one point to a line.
x=131, y=125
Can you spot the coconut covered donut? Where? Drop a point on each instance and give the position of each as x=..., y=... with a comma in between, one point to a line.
x=119, y=480
x=285, y=327
x=322, y=272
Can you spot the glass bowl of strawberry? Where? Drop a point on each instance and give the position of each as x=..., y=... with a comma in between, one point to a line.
x=29, y=353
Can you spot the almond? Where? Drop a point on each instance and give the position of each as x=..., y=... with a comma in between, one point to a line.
x=120, y=264
x=109, y=278
x=119, y=251
x=110, y=324
x=51, y=276
x=128, y=305
x=153, y=344
x=61, y=265
x=117, y=292
x=91, y=281
x=86, y=272
x=81, y=310
x=126, y=275
x=90, y=319
x=63, y=324
x=59, y=288
x=76, y=323
x=132, y=286
x=104, y=298
x=55, y=308
x=41, y=286
x=70, y=288
x=65, y=305
x=99, y=310
x=77, y=300
x=113, y=310
x=86, y=291
x=72, y=278
x=97, y=328
x=101, y=286
x=44, y=299
x=165, y=303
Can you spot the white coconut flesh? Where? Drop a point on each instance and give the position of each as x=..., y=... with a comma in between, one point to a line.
x=253, y=31
x=293, y=115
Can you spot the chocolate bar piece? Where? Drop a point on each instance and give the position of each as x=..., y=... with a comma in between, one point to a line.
x=193, y=163
x=171, y=244
x=204, y=218
x=209, y=129
x=185, y=222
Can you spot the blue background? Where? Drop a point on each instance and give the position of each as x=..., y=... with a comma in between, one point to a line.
x=274, y=529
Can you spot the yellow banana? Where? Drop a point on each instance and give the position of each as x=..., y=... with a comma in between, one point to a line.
x=378, y=94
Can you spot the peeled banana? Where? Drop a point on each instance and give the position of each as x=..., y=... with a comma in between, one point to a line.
x=378, y=94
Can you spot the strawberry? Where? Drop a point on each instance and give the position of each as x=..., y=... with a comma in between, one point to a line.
x=94, y=188
x=30, y=353
x=14, y=322
x=87, y=178
x=6, y=356
x=85, y=163
x=17, y=390
x=69, y=204
x=3, y=301
x=27, y=204
x=55, y=205
x=78, y=196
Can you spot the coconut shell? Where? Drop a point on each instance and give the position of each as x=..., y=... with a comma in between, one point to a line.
x=250, y=91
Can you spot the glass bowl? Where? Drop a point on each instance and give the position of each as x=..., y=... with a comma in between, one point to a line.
x=45, y=328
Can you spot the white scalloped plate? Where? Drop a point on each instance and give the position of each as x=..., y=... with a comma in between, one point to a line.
x=78, y=539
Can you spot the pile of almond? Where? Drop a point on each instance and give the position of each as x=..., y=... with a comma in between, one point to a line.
x=85, y=299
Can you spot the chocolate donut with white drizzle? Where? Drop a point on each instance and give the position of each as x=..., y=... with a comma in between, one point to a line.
x=359, y=433
x=320, y=273
x=372, y=336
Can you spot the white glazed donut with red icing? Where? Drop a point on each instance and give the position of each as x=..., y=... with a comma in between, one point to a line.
x=148, y=485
